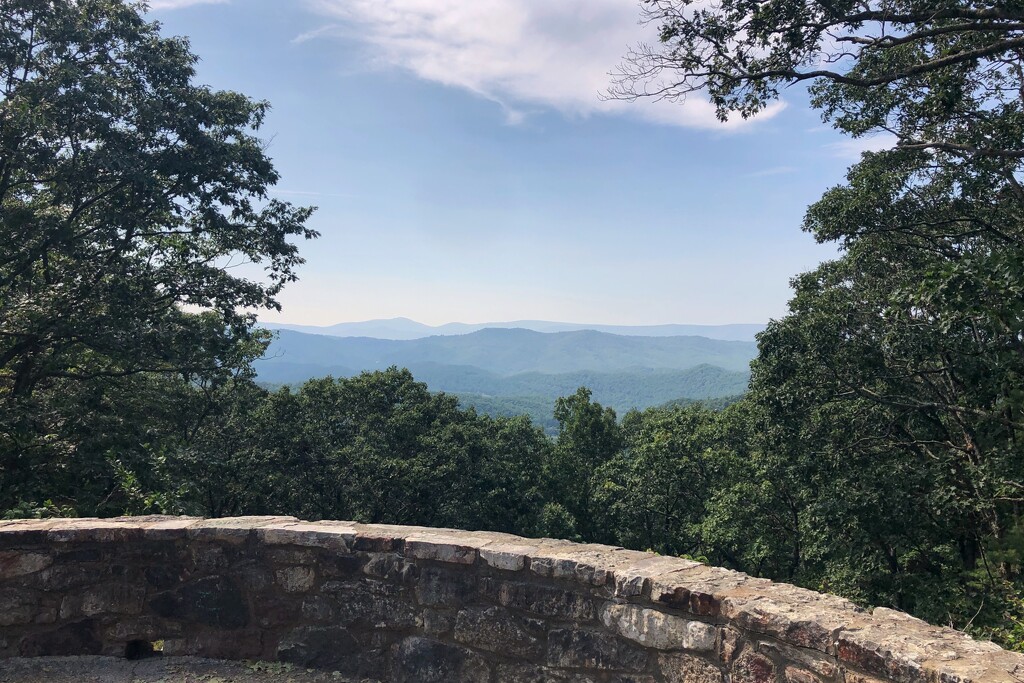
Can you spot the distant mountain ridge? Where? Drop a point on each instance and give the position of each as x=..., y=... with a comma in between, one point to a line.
x=513, y=371
x=511, y=351
x=622, y=390
x=406, y=329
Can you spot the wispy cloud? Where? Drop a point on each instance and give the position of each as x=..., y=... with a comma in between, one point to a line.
x=178, y=4
x=308, y=193
x=522, y=54
x=775, y=170
x=852, y=148
x=327, y=30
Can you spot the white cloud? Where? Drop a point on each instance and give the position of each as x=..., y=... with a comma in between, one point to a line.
x=327, y=30
x=178, y=4
x=522, y=54
x=852, y=148
x=311, y=193
x=774, y=170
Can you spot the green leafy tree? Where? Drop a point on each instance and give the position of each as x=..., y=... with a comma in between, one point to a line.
x=888, y=403
x=509, y=482
x=654, y=491
x=378, y=447
x=752, y=518
x=690, y=481
x=588, y=437
x=125, y=191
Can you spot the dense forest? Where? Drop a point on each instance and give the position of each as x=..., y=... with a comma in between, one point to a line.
x=877, y=453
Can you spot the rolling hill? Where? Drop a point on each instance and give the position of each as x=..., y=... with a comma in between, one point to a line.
x=517, y=371
x=510, y=351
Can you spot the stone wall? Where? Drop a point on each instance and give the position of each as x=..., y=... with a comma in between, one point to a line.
x=415, y=604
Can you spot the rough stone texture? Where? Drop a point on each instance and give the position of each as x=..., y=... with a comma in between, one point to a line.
x=795, y=675
x=531, y=673
x=330, y=647
x=658, y=630
x=77, y=638
x=13, y=563
x=159, y=670
x=688, y=669
x=421, y=660
x=394, y=603
x=821, y=665
x=509, y=557
x=210, y=601
x=541, y=599
x=753, y=668
x=496, y=630
x=580, y=649
x=430, y=547
x=296, y=579
x=730, y=643
x=17, y=606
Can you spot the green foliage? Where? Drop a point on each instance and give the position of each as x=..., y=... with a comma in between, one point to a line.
x=378, y=447
x=1004, y=622
x=588, y=437
x=115, y=206
x=116, y=210
x=886, y=408
x=538, y=409
x=557, y=522
x=654, y=490
x=718, y=403
x=32, y=510
x=877, y=454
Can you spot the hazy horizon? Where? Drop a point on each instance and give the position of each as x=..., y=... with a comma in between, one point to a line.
x=405, y=328
x=516, y=320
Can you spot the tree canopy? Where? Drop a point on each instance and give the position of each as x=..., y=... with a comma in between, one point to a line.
x=937, y=75
x=125, y=191
x=888, y=403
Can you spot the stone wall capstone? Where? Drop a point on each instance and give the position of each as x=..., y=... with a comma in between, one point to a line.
x=395, y=603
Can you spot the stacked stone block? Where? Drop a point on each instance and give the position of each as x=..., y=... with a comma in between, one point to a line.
x=415, y=604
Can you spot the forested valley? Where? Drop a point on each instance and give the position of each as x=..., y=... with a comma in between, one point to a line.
x=877, y=453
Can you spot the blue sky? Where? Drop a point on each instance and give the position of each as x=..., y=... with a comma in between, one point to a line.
x=465, y=168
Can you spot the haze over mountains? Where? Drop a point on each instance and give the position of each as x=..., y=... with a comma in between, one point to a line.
x=507, y=352
x=404, y=328
x=511, y=371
